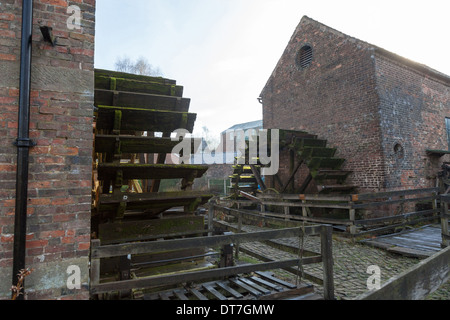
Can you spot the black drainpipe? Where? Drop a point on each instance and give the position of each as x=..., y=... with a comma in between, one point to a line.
x=23, y=143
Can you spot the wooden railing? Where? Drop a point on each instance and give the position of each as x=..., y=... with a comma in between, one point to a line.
x=445, y=200
x=351, y=203
x=99, y=252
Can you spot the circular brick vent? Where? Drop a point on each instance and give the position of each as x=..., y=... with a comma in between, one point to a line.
x=304, y=57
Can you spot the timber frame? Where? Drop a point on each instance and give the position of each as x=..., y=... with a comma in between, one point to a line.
x=434, y=208
x=99, y=252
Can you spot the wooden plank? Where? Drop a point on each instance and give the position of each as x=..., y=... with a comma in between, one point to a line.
x=267, y=283
x=132, y=76
x=134, y=119
x=150, y=171
x=289, y=294
x=140, y=100
x=198, y=295
x=210, y=288
x=326, y=245
x=131, y=144
x=308, y=205
x=165, y=295
x=246, y=287
x=180, y=294
x=169, y=197
x=410, y=215
x=415, y=283
x=215, y=241
x=255, y=285
x=189, y=276
x=388, y=194
x=227, y=288
x=270, y=277
x=382, y=203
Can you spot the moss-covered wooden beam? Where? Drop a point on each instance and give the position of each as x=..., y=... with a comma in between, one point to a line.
x=130, y=76
x=316, y=163
x=141, y=100
x=131, y=144
x=111, y=202
x=339, y=175
x=310, y=152
x=108, y=171
x=123, y=231
x=135, y=119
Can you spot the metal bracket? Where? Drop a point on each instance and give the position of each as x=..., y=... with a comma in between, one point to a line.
x=25, y=143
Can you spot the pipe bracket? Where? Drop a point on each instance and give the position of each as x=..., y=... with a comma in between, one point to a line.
x=25, y=143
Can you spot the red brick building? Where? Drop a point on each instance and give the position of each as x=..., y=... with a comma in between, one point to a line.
x=381, y=111
x=60, y=165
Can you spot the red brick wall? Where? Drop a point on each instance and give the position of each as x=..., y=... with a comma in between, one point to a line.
x=60, y=165
x=334, y=98
x=381, y=111
x=413, y=107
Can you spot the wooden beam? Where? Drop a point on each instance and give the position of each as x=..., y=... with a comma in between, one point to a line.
x=189, y=277
x=215, y=241
x=417, y=282
x=291, y=178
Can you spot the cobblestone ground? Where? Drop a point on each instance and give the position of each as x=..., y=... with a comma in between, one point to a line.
x=351, y=262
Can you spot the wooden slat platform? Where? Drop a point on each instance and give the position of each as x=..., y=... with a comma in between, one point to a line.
x=146, y=201
x=261, y=286
x=150, y=171
x=135, y=119
x=132, y=144
x=421, y=242
x=141, y=100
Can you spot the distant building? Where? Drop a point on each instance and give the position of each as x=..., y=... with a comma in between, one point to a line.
x=386, y=115
x=238, y=132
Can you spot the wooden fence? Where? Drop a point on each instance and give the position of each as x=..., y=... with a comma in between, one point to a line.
x=445, y=200
x=415, y=283
x=99, y=252
x=405, y=199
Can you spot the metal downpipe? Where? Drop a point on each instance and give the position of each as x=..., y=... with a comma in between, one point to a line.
x=23, y=144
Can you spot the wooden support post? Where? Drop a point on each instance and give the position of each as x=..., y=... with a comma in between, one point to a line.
x=352, y=217
x=326, y=242
x=95, y=265
x=210, y=216
x=286, y=213
x=239, y=231
x=304, y=209
x=226, y=256
x=444, y=224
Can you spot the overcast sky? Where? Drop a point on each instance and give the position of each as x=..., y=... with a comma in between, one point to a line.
x=223, y=51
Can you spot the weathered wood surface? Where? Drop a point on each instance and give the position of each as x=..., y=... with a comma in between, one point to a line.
x=131, y=144
x=150, y=171
x=264, y=286
x=135, y=119
x=417, y=282
x=141, y=100
x=214, y=241
x=126, y=231
x=421, y=242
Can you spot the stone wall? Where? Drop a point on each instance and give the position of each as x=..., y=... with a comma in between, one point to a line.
x=62, y=94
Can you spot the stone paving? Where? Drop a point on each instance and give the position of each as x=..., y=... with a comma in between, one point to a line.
x=351, y=263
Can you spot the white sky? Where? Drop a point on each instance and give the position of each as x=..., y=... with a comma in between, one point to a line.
x=223, y=51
